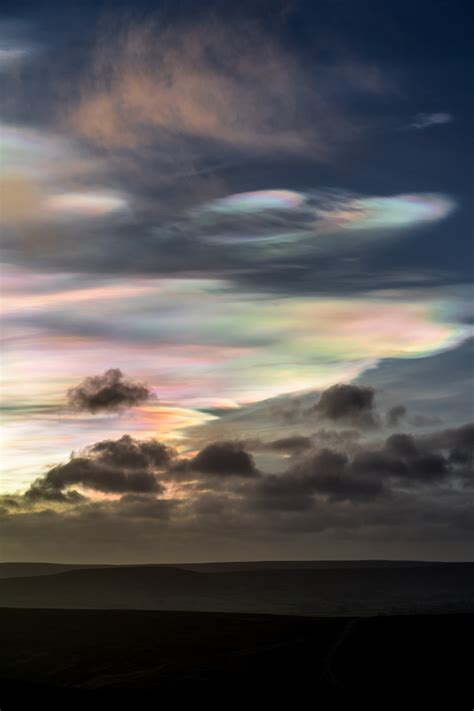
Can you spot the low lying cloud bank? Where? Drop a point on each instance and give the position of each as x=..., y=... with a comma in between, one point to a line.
x=361, y=480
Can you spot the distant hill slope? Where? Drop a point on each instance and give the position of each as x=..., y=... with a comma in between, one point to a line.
x=26, y=570
x=304, y=565
x=21, y=570
x=337, y=591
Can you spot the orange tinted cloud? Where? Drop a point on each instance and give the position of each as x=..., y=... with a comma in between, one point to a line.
x=231, y=84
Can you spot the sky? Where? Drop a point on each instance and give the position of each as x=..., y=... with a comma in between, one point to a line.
x=236, y=280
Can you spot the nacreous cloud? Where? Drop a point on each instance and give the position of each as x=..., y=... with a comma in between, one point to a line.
x=200, y=337
x=85, y=204
x=284, y=218
x=35, y=168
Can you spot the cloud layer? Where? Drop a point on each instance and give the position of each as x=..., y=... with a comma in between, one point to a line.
x=333, y=484
x=181, y=86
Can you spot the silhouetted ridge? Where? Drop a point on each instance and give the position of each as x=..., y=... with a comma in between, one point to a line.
x=445, y=587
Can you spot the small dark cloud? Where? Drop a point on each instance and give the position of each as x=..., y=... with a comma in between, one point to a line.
x=110, y=392
x=296, y=443
x=224, y=459
x=425, y=420
x=395, y=415
x=348, y=404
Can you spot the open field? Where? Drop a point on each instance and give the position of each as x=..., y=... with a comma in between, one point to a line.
x=136, y=659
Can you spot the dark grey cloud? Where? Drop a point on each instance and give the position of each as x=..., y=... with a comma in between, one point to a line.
x=124, y=465
x=425, y=420
x=92, y=475
x=145, y=506
x=292, y=444
x=373, y=471
x=109, y=392
x=224, y=459
x=326, y=473
x=460, y=438
x=348, y=404
x=128, y=453
x=395, y=415
x=406, y=486
x=44, y=491
x=425, y=459
x=296, y=443
x=401, y=445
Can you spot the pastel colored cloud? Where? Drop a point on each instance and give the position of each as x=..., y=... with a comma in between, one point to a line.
x=35, y=153
x=285, y=218
x=152, y=84
x=197, y=343
x=257, y=201
x=85, y=204
x=393, y=212
x=35, y=166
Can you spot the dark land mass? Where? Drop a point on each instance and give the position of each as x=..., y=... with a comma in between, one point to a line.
x=436, y=588
x=23, y=570
x=123, y=659
x=27, y=570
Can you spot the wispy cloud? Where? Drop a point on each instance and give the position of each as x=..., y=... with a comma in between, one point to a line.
x=186, y=88
x=422, y=121
x=15, y=45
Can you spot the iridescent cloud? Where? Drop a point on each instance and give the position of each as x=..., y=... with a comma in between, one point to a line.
x=34, y=153
x=396, y=212
x=303, y=221
x=257, y=201
x=34, y=168
x=196, y=341
x=85, y=204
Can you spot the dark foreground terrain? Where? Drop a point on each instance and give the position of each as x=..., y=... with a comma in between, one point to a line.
x=121, y=659
x=329, y=591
